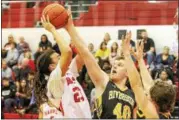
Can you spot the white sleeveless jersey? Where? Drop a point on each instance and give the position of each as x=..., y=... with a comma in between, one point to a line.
x=50, y=112
x=68, y=92
x=74, y=101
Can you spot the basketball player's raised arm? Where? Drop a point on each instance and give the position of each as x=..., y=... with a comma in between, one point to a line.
x=143, y=102
x=98, y=77
x=146, y=77
x=66, y=53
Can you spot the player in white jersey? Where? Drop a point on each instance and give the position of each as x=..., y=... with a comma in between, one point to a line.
x=47, y=62
x=65, y=93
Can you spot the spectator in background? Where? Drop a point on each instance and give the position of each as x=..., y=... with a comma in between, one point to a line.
x=24, y=94
x=7, y=46
x=28, y=55
x=91, y=48
x=113, y=52
x=107, y=38
x=103, y=51
x=30, y=79
x=22, y=71
x=12, y=56
x=163, y=76
x=22, y=45
x=149, y=47
x=74, y=50
x=45, y=43
x=164, y=59
x=6, y=71
x=8, y=95
x=56, y=48
x=106, y=67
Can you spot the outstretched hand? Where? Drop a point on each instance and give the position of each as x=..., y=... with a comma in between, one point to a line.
x=46, y=23
x=139, y=50
x=70, y=19
x=126, y=44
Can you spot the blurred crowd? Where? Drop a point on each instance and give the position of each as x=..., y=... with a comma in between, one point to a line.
x=18, y=67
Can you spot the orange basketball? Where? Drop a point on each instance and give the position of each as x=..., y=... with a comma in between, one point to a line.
x=57, y=14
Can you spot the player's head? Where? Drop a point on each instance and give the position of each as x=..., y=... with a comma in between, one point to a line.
x=46, y=63
x=163, y=96
x=118, y=71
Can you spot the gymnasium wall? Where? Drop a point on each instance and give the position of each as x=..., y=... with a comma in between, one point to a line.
x=162, y=35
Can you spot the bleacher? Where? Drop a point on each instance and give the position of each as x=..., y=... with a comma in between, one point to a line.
x=101, y=13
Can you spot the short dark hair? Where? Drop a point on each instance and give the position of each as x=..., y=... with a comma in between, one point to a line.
x=164, y=95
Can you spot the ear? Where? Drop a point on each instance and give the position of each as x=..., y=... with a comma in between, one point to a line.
x=52, y=67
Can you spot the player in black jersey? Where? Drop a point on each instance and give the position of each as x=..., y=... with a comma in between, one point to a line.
x=114, y=99
x=161, y=96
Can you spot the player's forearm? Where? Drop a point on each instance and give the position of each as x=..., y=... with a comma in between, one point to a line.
x=133, y=74
x=146, y=77
x=63, y=45
x=89, y=60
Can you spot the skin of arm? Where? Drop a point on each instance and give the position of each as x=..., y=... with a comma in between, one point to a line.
x=98, y=77
x=66, y=53
x=143, y=102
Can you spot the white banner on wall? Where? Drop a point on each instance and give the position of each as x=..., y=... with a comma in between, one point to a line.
x=162, y=35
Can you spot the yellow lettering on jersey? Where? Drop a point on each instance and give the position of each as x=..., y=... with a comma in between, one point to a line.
x=125, y=114
x=117, y=94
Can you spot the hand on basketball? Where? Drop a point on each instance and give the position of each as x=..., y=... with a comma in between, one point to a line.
x=126, y=44
x=70, y=19
x=46, y=24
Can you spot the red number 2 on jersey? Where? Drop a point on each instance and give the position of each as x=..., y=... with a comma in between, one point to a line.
x=78, y=97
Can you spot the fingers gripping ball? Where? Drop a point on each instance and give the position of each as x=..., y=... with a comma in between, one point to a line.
x=58, y=15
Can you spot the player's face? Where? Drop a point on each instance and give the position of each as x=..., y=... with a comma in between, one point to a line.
x=55, y=57
x=118, y=71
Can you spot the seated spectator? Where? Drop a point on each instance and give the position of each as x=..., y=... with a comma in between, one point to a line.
x=30, y=79
x=24, y=94
x=164, y=59
x=106, y=67
x=6, y=71
x=22, y=45
x=45, y=43
x=113, y=52
x=8, y=95
x=7, y=46
x=103, y=51
x=91, y=48
x=21, y=72
x=107, y=38
x=12, y=56
x=27, y=55
x=149, y=48
x=163, y=76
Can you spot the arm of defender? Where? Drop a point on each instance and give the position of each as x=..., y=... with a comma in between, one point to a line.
x=98, y=77
x=143, y=102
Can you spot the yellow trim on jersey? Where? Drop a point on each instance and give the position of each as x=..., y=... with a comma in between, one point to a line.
x=140, y=114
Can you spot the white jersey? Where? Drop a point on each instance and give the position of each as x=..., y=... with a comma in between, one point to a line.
x=67, y=91
x=50, y=112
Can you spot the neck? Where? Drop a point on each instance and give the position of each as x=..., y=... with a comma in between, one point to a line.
x=121, y=84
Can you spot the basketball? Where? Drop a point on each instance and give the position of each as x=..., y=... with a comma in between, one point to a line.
x=57, y=14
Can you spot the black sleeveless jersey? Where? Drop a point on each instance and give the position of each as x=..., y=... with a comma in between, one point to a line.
x=115, y=103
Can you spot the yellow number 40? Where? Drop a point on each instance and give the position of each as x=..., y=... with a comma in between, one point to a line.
x=126, y=114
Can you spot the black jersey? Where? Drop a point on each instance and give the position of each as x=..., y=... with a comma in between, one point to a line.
x=115, y=103
x=140, y=114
